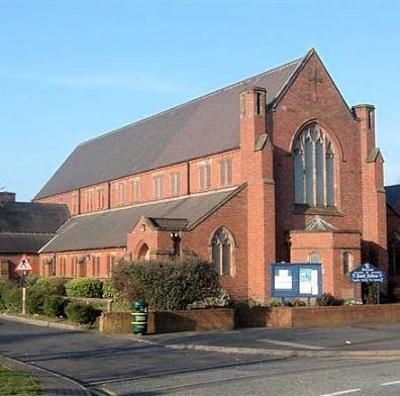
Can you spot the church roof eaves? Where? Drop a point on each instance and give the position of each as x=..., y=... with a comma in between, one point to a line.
x=201, y=127
x=109, y=229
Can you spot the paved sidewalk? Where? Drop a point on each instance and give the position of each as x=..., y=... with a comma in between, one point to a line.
x=382, y=339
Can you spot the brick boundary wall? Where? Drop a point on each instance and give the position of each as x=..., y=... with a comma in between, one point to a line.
x=279, y=317
x=171, y=321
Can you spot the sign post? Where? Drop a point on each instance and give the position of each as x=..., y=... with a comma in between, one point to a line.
x=23, y=267
x=367, y=273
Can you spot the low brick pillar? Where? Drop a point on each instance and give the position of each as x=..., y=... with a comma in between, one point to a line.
x=171, y=321
x=115, y=322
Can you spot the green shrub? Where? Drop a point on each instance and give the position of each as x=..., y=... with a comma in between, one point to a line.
x=55, y=306
x=42, y=289
x=329, y=300
x=10, y=296
x=220, y=301
x=295, y=303
x=35, y=298
x=85, y=287
x=167, y=284
x=82, y=313
x=119, y=303
x=31, y=279
x=54, y=285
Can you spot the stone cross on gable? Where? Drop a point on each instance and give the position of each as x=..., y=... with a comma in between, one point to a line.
x=315, y=79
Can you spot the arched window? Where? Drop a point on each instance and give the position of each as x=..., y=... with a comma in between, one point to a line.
x=144, y=252
x=347, y=262
x=314, y=258
x=313, y=163
x=221, y=245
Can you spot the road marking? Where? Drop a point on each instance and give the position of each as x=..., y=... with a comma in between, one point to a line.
x=292, y=344
x=391, y=383
x=345, y=392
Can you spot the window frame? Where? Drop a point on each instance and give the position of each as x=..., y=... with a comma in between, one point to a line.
x=158, y=186
x=205, y=176
x=314, y=163
x=219, y=248
x=175, y=183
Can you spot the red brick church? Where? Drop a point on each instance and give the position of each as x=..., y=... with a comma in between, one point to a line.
x=274, y=168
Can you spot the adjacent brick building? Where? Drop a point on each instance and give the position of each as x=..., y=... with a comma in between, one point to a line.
x=24, y=228
x=274, y=168
x=393, y=233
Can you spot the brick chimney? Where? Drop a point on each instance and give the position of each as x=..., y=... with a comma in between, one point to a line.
x=6, y=196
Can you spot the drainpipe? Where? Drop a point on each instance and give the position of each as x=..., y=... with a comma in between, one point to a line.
x=188, y=178
x=109, y=195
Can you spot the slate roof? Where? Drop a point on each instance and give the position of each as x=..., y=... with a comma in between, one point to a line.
x=25, y=227
x=14, y=243
x=393, y=197
x=30, y=217
x=207, y=125
x=169, y=224
x=110, y=228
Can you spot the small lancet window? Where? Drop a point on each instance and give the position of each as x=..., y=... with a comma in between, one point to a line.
x=258, y=103
x=221, y=245
x=347, y=262
x=314, y=258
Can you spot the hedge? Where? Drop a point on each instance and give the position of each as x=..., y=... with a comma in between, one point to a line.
x=10, y=296
x=84, y=287
x=55, y=306
x=82, y=313
x=167, y=285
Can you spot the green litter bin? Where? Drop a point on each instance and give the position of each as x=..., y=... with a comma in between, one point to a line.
x=139, y=317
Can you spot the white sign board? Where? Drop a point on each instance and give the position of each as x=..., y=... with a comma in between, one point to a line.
x=283, y=281
x=308, y=281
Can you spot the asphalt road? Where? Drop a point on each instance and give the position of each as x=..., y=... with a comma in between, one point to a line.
x=127, y=367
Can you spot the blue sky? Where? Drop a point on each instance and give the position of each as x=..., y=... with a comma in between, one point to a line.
x=71, y=70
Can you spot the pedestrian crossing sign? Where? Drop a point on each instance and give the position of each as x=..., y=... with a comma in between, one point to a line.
x=24, y=265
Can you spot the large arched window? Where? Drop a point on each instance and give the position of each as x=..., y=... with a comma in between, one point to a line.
x=221, y=245
x=313, y=163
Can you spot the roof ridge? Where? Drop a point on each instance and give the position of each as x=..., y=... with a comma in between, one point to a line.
x=26, y=233
x=30, y=203
x=192, y=101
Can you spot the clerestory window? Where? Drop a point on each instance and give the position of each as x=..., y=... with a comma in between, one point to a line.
x=314, y=168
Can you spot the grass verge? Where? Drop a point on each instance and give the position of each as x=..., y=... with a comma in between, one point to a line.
x=15, y=383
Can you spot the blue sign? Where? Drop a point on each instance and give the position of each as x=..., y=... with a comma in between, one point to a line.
x=367, y=273
x=290, y=280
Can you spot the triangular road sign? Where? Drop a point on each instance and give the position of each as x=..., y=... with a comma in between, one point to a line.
x=24, y=265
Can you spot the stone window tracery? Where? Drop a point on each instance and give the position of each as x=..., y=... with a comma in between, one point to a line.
x=222, y=246
x=313, y=163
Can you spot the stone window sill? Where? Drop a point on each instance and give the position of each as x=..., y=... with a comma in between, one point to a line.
x=316, y=210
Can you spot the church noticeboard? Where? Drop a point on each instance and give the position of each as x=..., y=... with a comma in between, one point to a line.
x=290, y=280
x=367, y=273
